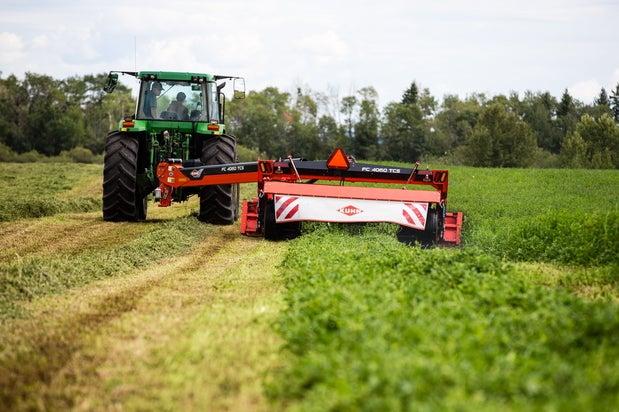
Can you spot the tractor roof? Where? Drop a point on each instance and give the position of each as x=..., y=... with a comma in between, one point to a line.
x=174, y=75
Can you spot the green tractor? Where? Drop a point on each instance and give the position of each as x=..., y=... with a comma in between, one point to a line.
x=180, y=116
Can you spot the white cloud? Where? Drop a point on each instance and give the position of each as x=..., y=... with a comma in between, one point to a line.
x=82, y=47
x=209, y=53
x=614, y=79
x=326, y=47
x=11, y=48
x=40, y=41
x=586, y=90
x=170, y=54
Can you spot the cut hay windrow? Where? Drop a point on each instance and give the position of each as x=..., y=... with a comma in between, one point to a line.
x=23, y=279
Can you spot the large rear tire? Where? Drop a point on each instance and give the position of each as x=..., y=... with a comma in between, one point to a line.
x=122, y=200
x=219, y=204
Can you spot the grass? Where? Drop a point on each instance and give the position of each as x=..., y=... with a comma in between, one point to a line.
x=500, y=203
x=592, y=283
x=51, y=254
x=94, y=314
x=575, y=238
x=566, y=216
x=373, y=325
x=221, y=354
x=524, y=316
x=190, y=332
x=44, y=189
x=172, y=314
x=25, y=278
x=538, y=214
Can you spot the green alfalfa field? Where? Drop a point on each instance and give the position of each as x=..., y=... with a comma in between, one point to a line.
x=173, y=314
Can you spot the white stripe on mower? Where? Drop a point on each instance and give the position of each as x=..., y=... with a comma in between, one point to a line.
x=327, y=209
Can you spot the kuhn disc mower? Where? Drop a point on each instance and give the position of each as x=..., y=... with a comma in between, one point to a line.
x=288, y=194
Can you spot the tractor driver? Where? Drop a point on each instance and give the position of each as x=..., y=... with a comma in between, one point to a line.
x=178, y=107
x=150, y=100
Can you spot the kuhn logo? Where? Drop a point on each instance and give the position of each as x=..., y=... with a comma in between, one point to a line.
x=349, y=210
x=196, y=173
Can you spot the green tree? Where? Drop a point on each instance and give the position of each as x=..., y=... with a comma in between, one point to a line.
x=538, y=110
x=102, y=111
x=403, y=132
x=365, y=144
x=54, y=122
x=411, y=95
x=427, y=103
x=601, y=105
x=48, y=115
x=261, y=121
x=574, y=152
x=566, y=105
x=348, y=108
x=500, y=138
x=307, y=106
x=602, y=99
x=303, y=139
x=331, y=136
x=567, y=114
x=14, y=114
x=614, y=103
x=601, y=136
x=456, y=120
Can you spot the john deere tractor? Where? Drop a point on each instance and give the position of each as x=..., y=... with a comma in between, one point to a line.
x=180, y=116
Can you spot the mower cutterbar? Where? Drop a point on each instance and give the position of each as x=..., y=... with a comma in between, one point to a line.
x=287, y=195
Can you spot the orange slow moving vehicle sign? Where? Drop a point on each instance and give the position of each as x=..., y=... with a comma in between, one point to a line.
x=338, y=160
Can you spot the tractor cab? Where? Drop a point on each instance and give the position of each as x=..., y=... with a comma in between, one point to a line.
x=178, y=100
x=185, y=97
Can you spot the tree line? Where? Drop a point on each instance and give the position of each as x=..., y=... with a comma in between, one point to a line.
x=537, y=129
x=50, y=116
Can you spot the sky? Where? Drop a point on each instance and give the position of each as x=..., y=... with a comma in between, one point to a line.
x=449, y=46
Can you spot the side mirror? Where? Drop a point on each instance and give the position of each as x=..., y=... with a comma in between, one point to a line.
x=112, y=82
x=239, y=88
